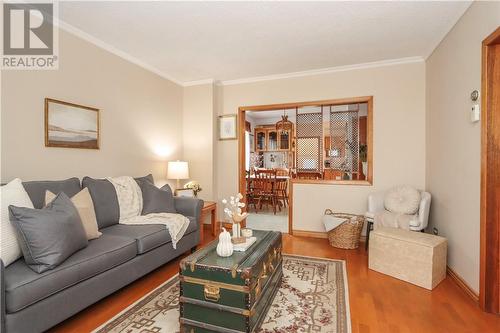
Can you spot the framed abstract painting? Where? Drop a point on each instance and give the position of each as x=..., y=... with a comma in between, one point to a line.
x=70, y=125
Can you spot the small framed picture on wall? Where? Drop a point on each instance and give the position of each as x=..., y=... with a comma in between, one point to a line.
x=227, y=127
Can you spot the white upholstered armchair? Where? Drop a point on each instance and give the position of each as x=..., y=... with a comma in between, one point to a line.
x=376, y=205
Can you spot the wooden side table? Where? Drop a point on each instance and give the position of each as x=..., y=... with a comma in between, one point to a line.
x=208, y=207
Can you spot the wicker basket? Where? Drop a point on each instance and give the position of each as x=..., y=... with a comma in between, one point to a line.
x=346, y=235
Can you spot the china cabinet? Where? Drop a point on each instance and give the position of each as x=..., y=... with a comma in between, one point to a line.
x=267, y=138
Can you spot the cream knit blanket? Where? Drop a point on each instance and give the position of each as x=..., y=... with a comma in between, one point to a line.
x=130, y=202
x=394, y=220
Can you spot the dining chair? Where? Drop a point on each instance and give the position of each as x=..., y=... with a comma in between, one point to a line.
x=282, y=191
x=264, y=189
x=250, y=191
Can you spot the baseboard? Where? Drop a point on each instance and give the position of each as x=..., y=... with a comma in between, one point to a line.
x=318, y=234
x=462, y=284
x=314, y=234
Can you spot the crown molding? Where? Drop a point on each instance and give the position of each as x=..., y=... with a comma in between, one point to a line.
x=105, y=46
x=390, y=62
x=198, y=82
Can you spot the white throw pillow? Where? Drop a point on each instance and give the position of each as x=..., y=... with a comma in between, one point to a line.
x=11, y=194
x=403, y=199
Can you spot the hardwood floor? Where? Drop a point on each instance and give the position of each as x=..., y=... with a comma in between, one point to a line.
x=378, y=302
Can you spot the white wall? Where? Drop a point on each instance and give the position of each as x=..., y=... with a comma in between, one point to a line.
x=399, y=132
x=198, y=133
x=453, y=142
x=141, y=117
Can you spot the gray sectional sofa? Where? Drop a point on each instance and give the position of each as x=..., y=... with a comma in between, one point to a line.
x=32, y=302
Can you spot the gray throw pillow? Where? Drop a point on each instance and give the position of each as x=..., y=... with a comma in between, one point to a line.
x=36, y=189
x=156, y=200
x=48, y=236
x=148, y=178
x=106, y=206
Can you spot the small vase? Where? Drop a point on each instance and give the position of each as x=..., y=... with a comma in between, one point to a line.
x=237, y=219
x=236, y=230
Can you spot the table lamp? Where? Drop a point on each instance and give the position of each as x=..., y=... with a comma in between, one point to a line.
x=178, y=170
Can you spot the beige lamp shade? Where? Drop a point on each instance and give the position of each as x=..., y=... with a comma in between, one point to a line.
x=178, y=170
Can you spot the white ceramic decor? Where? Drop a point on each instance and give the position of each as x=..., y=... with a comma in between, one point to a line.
x=225, y=246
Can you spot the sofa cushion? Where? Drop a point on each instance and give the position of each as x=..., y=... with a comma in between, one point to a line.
x=149, y=236
x=36, y=189
x=103, y=193
x=48, y=236
x=24, y=287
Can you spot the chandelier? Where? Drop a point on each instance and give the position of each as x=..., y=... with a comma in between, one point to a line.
x=284, y=125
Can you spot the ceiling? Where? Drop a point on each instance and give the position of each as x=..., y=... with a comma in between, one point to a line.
x=190, y=41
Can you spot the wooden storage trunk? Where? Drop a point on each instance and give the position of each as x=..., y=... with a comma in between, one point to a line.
x=410, y=256
x=231, y=294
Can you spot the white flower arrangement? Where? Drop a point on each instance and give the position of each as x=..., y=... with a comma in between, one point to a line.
x=193, y=185
x=233, y=207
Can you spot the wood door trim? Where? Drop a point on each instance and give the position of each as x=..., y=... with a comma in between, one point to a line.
x=489, y=280
x=331, y=182
x=281, y=106
x=241, y=164
x=241, y=155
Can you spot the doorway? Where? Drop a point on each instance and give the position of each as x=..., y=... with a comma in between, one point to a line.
x=318, y=142
x=489, y=289
x=269, y=160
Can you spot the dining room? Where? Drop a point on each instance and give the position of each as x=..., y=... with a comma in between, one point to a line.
x=323, y=142
x=269, y=159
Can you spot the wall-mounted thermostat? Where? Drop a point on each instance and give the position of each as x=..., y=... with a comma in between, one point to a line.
x=475, y=113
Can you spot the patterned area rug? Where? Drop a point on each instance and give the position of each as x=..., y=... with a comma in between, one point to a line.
x=313, y=298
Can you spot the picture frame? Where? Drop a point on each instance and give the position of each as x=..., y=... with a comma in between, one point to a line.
x=69, y=125
x=228, y=127
x=184, y=192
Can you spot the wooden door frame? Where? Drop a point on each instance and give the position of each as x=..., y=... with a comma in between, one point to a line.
x=274, y=107
x=490, y=221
